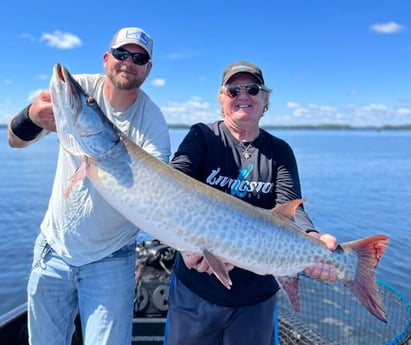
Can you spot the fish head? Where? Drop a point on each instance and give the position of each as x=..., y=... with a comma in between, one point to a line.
x=82, y=128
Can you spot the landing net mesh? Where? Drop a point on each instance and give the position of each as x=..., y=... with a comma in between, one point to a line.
x=331, y=314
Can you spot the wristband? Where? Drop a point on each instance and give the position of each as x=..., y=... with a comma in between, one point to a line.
x=23, y=127
x=311, y=230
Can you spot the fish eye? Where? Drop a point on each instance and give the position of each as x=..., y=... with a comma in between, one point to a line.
x=90, y=100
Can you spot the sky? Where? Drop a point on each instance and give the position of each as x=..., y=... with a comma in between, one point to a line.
x=328, y=62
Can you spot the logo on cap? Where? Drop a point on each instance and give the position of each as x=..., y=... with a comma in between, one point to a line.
x=243, y=68
x=138, y=35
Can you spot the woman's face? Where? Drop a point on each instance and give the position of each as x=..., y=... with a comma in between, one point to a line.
x=242, y=107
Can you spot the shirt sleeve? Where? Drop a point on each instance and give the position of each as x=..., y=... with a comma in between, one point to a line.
x=158, y=144
x=188, y=157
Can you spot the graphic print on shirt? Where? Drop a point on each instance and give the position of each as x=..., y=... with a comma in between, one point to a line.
x=243, y=173
x=240, y=186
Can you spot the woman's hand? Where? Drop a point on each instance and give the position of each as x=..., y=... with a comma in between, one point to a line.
x=323, y=271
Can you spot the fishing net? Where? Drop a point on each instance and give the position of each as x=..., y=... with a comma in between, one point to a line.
x=331, y=314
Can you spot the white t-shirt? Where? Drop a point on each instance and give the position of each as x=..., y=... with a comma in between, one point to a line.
x=85, y=228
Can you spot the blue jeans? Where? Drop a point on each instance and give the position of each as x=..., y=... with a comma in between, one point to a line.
x=101, y=292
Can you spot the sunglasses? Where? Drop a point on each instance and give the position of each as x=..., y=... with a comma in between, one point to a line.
x=122, y=54
x=234, y=90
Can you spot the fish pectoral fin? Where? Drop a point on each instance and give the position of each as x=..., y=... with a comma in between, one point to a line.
x=78, y=176
x=218, y=267
x=288, y=208
x=289, y=284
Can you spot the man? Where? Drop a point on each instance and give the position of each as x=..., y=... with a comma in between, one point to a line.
x=84, y=256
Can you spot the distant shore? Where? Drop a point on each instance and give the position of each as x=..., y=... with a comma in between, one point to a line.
x=317, y=127
x=314, y=127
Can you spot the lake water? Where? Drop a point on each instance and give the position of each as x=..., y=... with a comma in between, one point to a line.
x=356, y=184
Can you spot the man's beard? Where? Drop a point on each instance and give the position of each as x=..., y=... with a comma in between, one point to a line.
x=124, y=83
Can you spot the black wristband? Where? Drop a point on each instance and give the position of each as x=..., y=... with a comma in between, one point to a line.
x=23, y=127
x=311, y=230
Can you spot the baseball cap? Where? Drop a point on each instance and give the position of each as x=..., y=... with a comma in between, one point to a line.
x=242, y=67
x=133, y=35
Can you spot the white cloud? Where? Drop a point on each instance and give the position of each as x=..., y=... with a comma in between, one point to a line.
x=183, y=54
x=61, y=40
x=27, y=36
x=387, y=28
x=404, y=111
x=292, y=105
x=176, y=56
x=158, y=82
x=300, y=112
x=351, y=114
x=42, y=77
x=189, y=112
x=312, y=114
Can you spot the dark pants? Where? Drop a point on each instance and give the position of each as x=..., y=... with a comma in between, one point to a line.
x=192, y=320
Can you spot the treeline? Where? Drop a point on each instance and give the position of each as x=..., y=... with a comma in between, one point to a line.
x=317, y=127
x=314, y=127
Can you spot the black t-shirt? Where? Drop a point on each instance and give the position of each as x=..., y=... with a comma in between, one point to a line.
x=264, y=177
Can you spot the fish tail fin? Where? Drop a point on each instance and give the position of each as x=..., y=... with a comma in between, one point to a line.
x=364, y=285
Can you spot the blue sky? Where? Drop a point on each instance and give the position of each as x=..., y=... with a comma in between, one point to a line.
x=339, y=61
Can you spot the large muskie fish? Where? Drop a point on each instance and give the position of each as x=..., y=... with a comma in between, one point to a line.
x=189, y=215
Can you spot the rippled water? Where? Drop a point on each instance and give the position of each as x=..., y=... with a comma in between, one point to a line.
x=356, y=184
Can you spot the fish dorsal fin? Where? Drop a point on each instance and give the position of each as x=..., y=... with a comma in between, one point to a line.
x=218, y=267
x=288, y=208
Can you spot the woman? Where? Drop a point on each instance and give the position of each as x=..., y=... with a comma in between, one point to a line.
x=237, y=157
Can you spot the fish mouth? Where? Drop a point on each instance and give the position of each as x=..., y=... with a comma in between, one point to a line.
x=65, y=77
x=59, y=71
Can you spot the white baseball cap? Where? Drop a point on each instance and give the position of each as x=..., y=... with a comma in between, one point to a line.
x=133, y=35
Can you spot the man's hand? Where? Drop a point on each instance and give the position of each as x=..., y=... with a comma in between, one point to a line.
x=198, y=262
x=41, y=112
x=320, y=270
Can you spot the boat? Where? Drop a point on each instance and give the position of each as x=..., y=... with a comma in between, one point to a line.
x=330, y=314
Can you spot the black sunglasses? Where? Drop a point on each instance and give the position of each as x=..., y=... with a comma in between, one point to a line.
x=234, y=90
x=122, y=54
